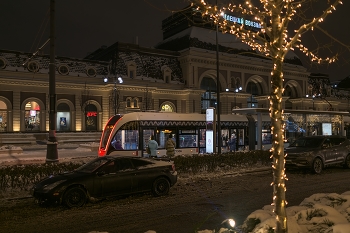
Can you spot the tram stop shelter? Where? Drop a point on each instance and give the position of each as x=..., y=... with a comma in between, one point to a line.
x=297, y=123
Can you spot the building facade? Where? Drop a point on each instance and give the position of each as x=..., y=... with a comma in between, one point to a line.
x=178, y=75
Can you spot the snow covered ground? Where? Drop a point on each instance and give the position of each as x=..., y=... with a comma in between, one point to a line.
x=322, y=212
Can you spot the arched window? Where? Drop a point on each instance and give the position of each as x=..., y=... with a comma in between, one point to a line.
x=209, y=97
x=290, y=91
x=63, y=117
x=91, y=115
x=131, y=69
x=167, y=107
x=32, y=116
x=128, y=102
x=136, y=103
x=253, y=89
x=235, y=83
x=3, y=116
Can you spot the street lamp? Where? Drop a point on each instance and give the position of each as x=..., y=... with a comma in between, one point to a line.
x=120, y=81
x=235, y=92
x=313, y=101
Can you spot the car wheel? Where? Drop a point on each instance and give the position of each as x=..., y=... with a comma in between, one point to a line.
x=75, y=197
x=160, y=187
x=317, y=166
x=347, y=162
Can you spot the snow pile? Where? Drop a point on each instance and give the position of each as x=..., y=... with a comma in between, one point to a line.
x=323, y=212
x=10, y=149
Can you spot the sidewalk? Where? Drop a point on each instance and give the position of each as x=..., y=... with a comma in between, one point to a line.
x=37, y=153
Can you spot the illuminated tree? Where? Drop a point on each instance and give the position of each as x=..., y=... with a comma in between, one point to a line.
x=273, y=40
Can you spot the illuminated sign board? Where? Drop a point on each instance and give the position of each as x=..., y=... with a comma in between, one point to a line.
x=242, y=21
x=326, y=128
x=91, y=114
x=209, y=143
x=211, y=131
x=210, y=115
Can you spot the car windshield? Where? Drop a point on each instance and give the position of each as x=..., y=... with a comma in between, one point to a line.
x=307, y=142
x=92, y=166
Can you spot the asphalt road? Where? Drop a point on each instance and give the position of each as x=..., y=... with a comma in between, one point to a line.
x=194, y=203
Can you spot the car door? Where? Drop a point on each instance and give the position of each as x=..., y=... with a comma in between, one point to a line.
x=329, y=150
x=145, y=175
x=114, y=178
x=341, y=151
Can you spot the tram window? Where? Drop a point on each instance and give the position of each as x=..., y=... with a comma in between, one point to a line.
x=131, y=139
x=116, y=143
x=188, y=140
x=125, y=140
x=147, y=133
x=202, y=137
x=163, y=135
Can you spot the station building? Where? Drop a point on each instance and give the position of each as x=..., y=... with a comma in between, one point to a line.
x=178, y=75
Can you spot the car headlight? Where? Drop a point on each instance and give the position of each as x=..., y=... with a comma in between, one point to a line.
x=53, y=185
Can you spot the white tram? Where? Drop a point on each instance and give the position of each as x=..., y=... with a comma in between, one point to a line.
x=128, y=134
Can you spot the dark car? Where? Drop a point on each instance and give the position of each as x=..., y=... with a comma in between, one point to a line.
x=317, y=152
x=105, y=177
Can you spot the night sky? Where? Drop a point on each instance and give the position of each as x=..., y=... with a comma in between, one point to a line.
x=83, y=26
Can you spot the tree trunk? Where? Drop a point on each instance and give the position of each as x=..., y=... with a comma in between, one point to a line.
x=277, y=123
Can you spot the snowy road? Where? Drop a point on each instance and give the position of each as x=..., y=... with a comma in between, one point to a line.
x=194, y=203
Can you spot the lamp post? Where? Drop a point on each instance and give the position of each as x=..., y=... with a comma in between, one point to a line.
x=313, y=101
x=235, y=92
x=218, y=88
x=51, y=152
x=119, y=80
x=113, y=71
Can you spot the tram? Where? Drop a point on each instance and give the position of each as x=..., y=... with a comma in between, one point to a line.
x=128, y=134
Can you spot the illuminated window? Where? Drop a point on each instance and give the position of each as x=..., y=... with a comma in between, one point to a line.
x=132, y=102
x=3, y=116
x=128, y=102
x=32, y=116
x=167, y=108
x=136, y=103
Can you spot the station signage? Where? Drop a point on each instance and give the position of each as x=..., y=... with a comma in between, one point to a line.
x=242, y=21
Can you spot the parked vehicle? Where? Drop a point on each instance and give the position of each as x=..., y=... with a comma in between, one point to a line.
x=105, y=177
x=317, y=152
